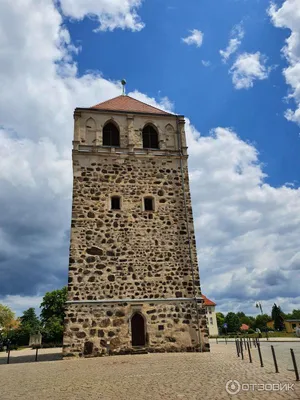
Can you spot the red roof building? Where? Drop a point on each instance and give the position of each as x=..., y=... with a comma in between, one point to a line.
x=207, y=302
x=244, y=327
x=126, y=103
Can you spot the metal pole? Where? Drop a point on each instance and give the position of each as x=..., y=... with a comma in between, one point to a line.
x=8, y=355
x=217, y=340
x=249, y=339
x=241, y=347
x=274, y=359
x=295, y=365
x=36, y=354
x=259, y=353
x=225, y=339
x=245, y=343
x=237, y=347
x=249, y=353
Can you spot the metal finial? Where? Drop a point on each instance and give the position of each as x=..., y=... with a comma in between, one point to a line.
x=123, y=81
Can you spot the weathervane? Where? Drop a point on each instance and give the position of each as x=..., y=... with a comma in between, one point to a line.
x=123, y=81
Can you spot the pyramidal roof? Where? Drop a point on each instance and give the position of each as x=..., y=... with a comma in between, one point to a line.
x=127, y=103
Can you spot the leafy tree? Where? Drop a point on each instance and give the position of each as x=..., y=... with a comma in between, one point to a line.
x=7, y=317
x=53, y=331
x=245, y=319
x=233, y=322
x=29, y=321
x=277, y=316
x=294, y=315
x=261, y=321
x=220, y=319
x=53, y=305
x=53, y=314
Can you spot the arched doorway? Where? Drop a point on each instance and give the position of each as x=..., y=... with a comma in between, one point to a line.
x=138, y=331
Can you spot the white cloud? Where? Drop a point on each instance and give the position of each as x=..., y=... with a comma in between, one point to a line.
x=246, y=229
x=164, y=103
x=19, y=304
x=206, y=63
x=111, y=14
x=288, y=16
x=248, y=68
x=196, y=38
x=235, y=41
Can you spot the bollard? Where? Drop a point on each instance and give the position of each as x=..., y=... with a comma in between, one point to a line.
x=8, y=355
x=237, y=347
x=274, y=359
x=249, y=353
x=259, y=353
x=36, y=354
x=225, y=339
x=295, y=365
x=241, y=348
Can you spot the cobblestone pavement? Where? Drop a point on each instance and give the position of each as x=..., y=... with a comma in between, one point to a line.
x=188, y=376
x=282, y=352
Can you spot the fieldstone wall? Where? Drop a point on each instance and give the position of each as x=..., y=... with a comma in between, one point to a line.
x=102, y=329
x=130, y=253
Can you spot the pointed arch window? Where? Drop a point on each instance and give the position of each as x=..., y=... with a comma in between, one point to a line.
x=150, y=137
x=111, y=135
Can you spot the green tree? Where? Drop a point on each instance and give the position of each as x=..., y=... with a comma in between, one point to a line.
x=53, y=305
x=53, y=314
x=220, y=319
x=29, y=321
x=261, y=321
x=7, y=317
x=245, y=319
x=277, y=316
x=53, y=331
x=295, y=314
x=233, y=322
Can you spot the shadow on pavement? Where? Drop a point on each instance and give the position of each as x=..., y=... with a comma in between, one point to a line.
x=16, y=357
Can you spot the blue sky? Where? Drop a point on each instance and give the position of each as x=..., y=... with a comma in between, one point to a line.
x=155, y=61
x=231, y=67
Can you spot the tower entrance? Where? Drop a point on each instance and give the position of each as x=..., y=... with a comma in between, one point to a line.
x=138, y=331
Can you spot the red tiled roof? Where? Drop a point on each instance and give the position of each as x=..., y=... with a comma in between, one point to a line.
x=127, y=103
x=207, y=302
x=244, y=327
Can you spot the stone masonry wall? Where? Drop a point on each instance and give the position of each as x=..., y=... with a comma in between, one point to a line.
x=96, y=330
x=130, y=252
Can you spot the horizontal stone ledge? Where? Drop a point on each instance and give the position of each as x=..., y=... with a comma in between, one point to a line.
x=113, y=301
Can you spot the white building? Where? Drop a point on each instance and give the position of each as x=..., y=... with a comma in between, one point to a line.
x=211, y=316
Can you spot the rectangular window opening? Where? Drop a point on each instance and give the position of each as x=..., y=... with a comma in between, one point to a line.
x=115, y=203
x=148, y=204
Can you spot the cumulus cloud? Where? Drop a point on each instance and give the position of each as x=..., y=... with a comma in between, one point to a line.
x=110, y=14
x=235, y=41
x=248, y=68
x=288, y=16
x=196, y=38
x=247, y=231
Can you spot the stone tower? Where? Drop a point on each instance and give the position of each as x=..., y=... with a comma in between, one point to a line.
x=133, y=273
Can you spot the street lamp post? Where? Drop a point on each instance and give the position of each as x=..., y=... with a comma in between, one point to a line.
x=258, y=305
